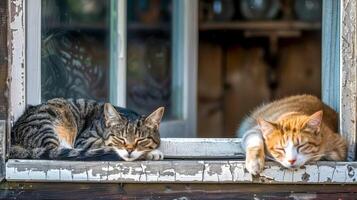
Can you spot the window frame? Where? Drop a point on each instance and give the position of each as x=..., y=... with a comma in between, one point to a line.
x=340, y=94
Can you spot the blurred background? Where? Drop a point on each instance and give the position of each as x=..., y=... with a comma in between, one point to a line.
x=249, y=52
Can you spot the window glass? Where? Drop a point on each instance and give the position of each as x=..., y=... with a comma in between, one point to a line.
x=254, y=51
x=150, y=70
x=75, y=49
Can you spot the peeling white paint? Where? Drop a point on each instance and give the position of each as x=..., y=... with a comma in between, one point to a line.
x=82, y=176
x=288, y=175
x=326, y=173
x=17, y=69
x=298, y=175
x=239, y=173
x=36, y=175
x=13, y=173
x=65, y=174
x=165, y=176
x=53, y=174
x=192, y=172
x=348, y=73
x=274, y=173
x=219, y=171
x=339, y=174
x=312, y=173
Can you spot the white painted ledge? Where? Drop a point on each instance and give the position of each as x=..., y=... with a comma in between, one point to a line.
x=199, y=148
x=176, y=171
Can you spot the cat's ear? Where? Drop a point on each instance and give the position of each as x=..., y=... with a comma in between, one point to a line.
x=266, y=127
x=155, y=117
x=313, y=124
x=111, y=116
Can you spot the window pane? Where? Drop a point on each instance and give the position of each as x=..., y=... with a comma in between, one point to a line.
x=75, y=49
x=251, y=52
x=150, y=81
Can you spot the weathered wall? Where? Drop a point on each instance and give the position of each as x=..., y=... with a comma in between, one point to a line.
x=3, y=57
x=348, y=109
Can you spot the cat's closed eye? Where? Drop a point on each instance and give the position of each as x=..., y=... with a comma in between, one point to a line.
x=143, y=143
x=280, y=149
x=301, y=147
x=119, y=140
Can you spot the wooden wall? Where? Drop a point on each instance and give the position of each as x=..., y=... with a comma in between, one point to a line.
x=173, y=191
x=3, y=57
x=233, y=73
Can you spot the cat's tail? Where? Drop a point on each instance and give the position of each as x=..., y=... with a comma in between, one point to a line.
x=101, y=154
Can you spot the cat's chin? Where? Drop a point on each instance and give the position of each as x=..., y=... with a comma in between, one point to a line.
x=125, y=155
x=129, y=159
x=290, y=166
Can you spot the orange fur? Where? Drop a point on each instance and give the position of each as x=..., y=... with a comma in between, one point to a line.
x=324, y=142
x=295, y=130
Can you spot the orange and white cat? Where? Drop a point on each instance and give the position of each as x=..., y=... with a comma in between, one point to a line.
x=291, y=131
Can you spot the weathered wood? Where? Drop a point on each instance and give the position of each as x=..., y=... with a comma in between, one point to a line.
x=201, y=148
x=177, y=171
x=20, y=190
x=259, y=25
x=16, y=66
x=348, y=87
x=3, y=57
x=16, y=41
x=2, y=148
x=330, y=73
x=3, y=77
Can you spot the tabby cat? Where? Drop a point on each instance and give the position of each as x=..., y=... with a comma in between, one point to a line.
x=81, y=129
x=291, y=131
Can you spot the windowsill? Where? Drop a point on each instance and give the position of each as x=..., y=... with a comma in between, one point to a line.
x=176, y=171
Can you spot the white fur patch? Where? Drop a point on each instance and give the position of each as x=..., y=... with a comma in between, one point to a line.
x=291, y=153
x=155, y=155
x=64, y=144
x=129, y=157
x=253, y=139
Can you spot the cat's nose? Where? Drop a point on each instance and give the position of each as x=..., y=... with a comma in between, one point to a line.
x=292, y=161
x=129, y=150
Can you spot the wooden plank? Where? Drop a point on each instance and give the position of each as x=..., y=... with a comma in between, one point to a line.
x=260, y=25
x=17, y=69
x=348, y=87
x=16, y=81
x=330, y=73
x=196, y=148
x=3, y=57
x=177, y=171
x=209, y=90
x=2, y=148
x=20, y=190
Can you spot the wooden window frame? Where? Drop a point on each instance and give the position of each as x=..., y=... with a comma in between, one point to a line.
x=338, y=90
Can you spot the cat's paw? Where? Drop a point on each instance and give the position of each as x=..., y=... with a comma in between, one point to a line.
x=254, y=166
x=154, y=155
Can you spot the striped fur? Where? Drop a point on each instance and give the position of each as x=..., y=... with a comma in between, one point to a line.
x=81, y=129
x=292, y=131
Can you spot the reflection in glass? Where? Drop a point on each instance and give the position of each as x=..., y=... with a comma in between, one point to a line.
x=75, y=49
x=149, y=56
